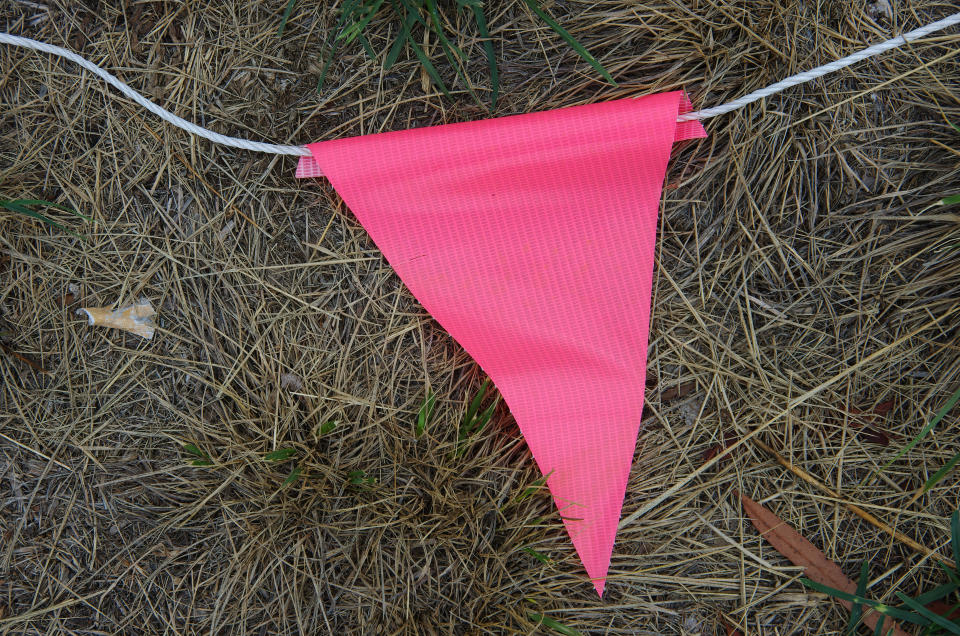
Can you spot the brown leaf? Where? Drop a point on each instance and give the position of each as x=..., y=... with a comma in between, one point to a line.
x=291, y=382
x=727, y=627
x=70, y=296
x=942, y=609
x=864, y=422
x=136, y=318
x=876, y=436
x=714, y=450
x=22, y=358
x=879, y=410
x=677, y=392
x=816, y=565
x=711, y=452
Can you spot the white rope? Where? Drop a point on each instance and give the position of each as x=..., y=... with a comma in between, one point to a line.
x=820, y=71
x=257, y=146
x=164, y=114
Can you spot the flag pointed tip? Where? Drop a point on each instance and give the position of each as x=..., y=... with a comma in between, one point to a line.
x=599, y=585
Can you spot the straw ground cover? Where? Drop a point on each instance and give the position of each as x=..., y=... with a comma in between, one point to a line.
x=803, y=289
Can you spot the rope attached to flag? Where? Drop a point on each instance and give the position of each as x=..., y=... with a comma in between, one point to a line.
x=257, y=146
x=162, y=113
x=826, y=69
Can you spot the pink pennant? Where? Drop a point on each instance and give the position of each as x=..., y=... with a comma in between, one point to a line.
x=531, y=239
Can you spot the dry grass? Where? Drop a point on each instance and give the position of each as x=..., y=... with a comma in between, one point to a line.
x=798, y=279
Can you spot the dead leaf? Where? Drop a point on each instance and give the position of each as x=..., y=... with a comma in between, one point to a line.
x=876, y=436
x=864, y=423
x=942, y=609
x=136, y=318
x=816, y=565
x=226, y=229
x=727, y=627
x=22, y=358
x=291, y=382
x=879, y=410
x=71, y=296
x=677, y=392
x=851, y=506
x=880, y=7
x=714, y=450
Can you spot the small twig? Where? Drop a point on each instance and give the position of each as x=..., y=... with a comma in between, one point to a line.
x=852, y=507
x=34, y=451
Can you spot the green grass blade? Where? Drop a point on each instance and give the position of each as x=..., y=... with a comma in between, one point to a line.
x=202, y=455
x=360, y=478
x=427, y=64
x=51, y=204
x=356, y=28
x=950, y=200
x=883, y=608
x=279, y=455
x=19, y=209
x=333, y=43
x=542, y=558
x=937, y=593
x=856, y=609
x=553, y=624
x=426, y=413
x=326, y=68
x=367, y=47
x=473, y=422
x=481, y=19
x=940, y=474
x=286, y=16
x=193, y=449
x=475, y=403
x=484, y=417
x=418, y=51
x=955, y=537
x=414, y=12
x=394, y=52
x=292, y=477
x=576, y=46
x=926, y=429
x=532, y=489
x=327, y=427
x=933, y=617
x=952, y=575
x=449, y=49
x=406, y=25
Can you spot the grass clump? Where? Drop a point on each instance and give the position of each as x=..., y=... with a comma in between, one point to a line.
x=935, y=610
x=413, y=20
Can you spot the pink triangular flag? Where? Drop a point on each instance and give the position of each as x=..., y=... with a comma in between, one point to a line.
x=530, y=239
